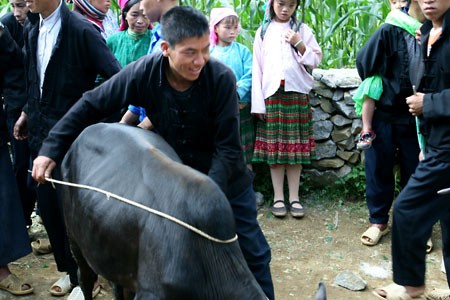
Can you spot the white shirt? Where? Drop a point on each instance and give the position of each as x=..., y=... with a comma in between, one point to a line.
x=48, y=33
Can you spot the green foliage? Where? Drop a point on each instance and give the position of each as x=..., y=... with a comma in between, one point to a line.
x=354, y=184
x=341, y=26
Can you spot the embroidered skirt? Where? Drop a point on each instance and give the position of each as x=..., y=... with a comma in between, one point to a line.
x=287, y=135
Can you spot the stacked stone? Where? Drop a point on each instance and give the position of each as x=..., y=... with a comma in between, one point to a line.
x=336, y=125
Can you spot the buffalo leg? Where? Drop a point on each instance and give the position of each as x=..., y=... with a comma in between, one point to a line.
x=86, y=275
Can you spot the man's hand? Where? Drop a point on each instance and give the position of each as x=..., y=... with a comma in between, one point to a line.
x=415, y=103
x=20, y=130
x=42, y=168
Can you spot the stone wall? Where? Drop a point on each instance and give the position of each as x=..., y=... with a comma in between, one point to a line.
x=336, y=125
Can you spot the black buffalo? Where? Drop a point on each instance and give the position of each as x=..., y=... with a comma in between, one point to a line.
x=148, y=254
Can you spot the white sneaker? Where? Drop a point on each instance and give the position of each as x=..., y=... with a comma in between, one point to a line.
x=443, y=267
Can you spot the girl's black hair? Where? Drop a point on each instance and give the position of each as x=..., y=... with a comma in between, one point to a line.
x=293, y=17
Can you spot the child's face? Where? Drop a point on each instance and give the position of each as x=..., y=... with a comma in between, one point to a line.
x=227, y=31
x=284, y=9
x=398, y=4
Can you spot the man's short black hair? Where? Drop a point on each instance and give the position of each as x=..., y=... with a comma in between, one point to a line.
x=183, y=22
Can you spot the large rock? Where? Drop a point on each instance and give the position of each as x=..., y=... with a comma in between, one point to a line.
x=347, y=110
x=339, y=120
x=340, y=134
x=343, y=78
x=322, y=90
x=322, y=129
x=327, y=106
x=325, y=150
x=347, y=144
x=319, y=115
x=327, y=163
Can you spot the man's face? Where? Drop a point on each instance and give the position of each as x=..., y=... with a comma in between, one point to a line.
x=38, y=6
x=186, y=60
x=20, y=10
x=151, y=9
x=434, y=9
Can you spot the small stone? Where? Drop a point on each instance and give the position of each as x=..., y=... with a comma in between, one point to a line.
x=350, y=280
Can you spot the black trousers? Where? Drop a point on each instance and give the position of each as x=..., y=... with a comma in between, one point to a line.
x=21, y=165
x=50, y=210
x=14, y=240
x=395, y=142
x=416, y=210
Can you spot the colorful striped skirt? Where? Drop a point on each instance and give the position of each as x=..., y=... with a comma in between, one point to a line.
x=287, y=135
x=247, y=133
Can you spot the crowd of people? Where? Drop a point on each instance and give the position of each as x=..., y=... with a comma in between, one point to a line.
x=240, y=106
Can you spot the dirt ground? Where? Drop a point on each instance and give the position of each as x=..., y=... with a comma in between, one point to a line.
x=304, y=252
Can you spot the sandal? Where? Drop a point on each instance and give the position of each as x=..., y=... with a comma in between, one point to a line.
x=296, y=212
x=372, y=236
x=395, y=292
x=15, y=286
x=41, y=246
x=438, y=294
x=77, y=293
x=279, y=211
x=62, y=286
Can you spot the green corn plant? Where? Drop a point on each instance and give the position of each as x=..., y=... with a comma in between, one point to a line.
x=341, y=26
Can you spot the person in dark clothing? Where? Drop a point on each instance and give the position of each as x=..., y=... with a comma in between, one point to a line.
x=419, y=206
x=13, y=235
x=64, y=53
x=14, y=94
x=388, y=54
x=192, y=102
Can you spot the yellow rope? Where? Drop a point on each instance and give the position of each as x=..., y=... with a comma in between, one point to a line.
x=153, y=211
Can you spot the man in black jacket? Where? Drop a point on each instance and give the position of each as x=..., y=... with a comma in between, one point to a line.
x=419, y=206
x=192, y=102
x=64, y=55
x=15, y=97
x=388, y=53
x=14, y=239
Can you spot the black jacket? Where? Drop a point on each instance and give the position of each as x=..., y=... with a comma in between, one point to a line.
x=386, y=54
x=13, y=84
x=10, y=58
x=435, y=84
x=202, y=124
x=79, y=55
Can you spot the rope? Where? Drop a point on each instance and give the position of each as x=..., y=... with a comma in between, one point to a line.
x=151, y=210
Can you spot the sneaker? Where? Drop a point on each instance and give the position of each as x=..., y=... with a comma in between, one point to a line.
x=365, y=140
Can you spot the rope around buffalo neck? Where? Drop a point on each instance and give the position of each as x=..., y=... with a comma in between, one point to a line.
x=151, y=210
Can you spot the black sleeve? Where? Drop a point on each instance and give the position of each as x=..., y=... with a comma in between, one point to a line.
x=228, y=149
x=108, y=98
x=10, y=53
x=370, y=58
